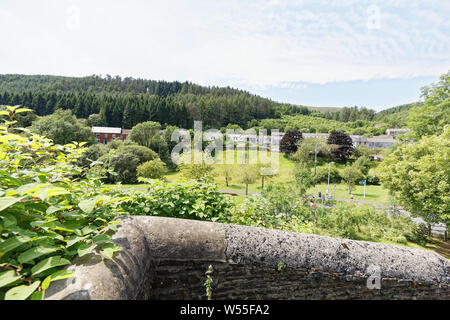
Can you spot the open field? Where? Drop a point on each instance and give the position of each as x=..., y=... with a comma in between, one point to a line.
x=373, y=193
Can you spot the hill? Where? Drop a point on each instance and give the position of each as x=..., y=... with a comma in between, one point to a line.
x=124, y=102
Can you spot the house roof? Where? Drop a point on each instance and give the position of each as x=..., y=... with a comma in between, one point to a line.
x=106, y=130
x=383, y=138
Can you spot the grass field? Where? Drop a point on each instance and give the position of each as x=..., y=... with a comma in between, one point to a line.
x=373, y=193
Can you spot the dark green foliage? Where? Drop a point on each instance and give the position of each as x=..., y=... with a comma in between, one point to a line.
x=312, y=124
x=396, y=117
x=188, y=200
x=127, y=102
x=92, y=154
x=372, y=180
x=95, y=120
x=125, y=161
x=288, y=143
x=348, y=114
x=63, y=127
x=344, y=145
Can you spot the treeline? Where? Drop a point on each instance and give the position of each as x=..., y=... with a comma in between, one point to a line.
x=349, y=114
x=127, y=102
x=396, y=117
x=308, y=124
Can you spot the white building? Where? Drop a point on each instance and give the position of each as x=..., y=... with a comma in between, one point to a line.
x=396, y=132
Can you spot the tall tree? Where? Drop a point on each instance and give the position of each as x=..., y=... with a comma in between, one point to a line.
x=431, y=117
x=419, y=176
x=63, y=127
x=248, y=174
x=144, y=133
x=288, y=143
x=351, y=174
x=344, y=145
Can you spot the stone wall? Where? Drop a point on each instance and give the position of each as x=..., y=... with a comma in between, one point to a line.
x=165, y=258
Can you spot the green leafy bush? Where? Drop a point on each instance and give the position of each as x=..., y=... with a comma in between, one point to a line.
x=373, y=180
x=125, y=160
x=322, y=175
x=196, y=200
x=279, y=208
x=363, y=223
x=153, y=169
x=50, y=212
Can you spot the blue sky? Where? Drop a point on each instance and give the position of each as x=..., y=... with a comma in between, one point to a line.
x=312, y=52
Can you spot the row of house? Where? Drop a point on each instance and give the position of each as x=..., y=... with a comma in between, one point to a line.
x=382, y=141
x=105, y=134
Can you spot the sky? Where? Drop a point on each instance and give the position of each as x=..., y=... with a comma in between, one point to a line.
x=338, y=53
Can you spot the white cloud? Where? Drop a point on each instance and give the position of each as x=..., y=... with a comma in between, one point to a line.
x=259, y=44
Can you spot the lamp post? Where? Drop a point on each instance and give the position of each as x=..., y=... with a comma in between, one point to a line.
x=315, y=161
x=329, y=171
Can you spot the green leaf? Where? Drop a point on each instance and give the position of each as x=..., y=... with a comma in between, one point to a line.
x=73, y=240
x=36, y=252
x=9, y=220
x=52, y=192
x=87, y=205
x=21, y=292
x=38, y=295
x=6, y=202
x=46, y=282
x=84, y=249
x=53, y=209
x=30, y=188
x=101, y=239
x=88, y=229
x=108, y=250
x=8, y=277
x=12, y=243
x=49, y=263
x=23, y=110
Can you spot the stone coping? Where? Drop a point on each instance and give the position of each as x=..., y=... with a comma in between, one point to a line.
x=148, y=239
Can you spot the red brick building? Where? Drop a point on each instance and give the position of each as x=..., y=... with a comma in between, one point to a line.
x=104, y=135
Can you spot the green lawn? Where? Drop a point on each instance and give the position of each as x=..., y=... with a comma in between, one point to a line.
x=373, y=193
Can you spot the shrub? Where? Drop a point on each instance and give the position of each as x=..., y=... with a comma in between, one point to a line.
x=196, y=171
x=92, y=154
x=258, y=211
x=373, y=180
x=125, y=160
x=49, y=214
x=185, y=200
x=322, y=175
x=153, y=169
